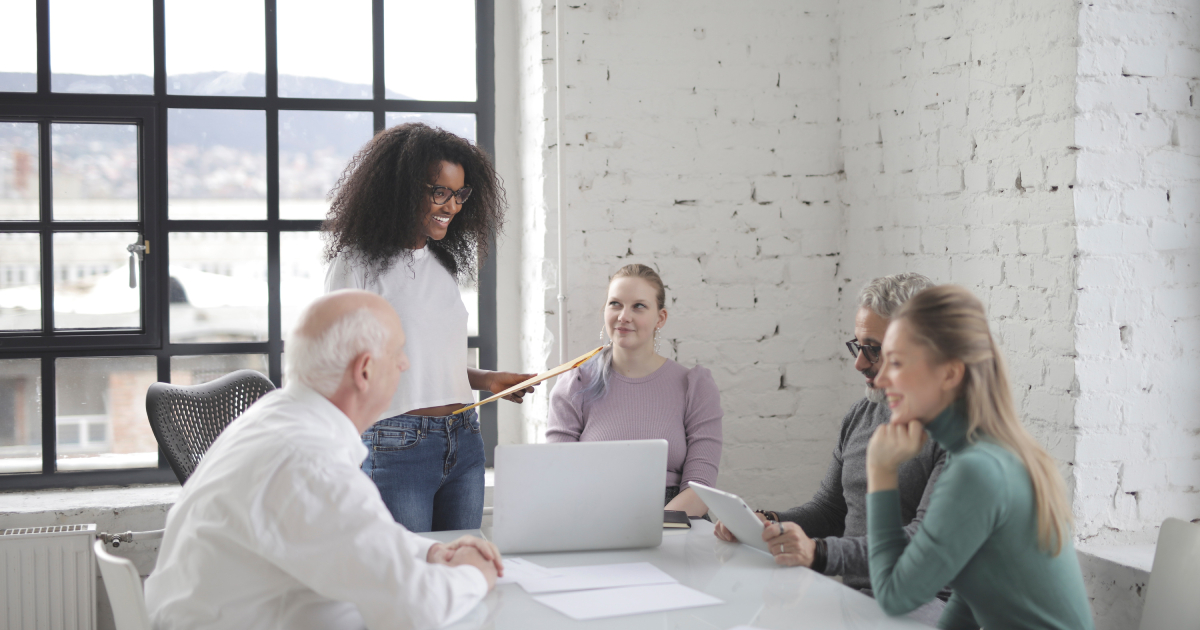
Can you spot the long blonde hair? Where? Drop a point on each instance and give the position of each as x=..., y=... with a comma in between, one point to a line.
x=951, y=322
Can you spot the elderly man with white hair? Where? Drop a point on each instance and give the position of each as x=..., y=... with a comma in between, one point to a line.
x=279, y=528
x=829, y=533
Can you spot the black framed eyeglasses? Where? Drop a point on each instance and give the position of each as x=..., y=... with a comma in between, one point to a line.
x=441, y=194
x=872, y=352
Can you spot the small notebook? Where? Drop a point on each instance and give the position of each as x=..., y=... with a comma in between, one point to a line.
x=676, y=518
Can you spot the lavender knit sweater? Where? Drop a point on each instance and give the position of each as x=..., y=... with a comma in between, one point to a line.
x=673, y=403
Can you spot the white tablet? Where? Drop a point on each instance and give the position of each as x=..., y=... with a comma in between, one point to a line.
x=733, y=512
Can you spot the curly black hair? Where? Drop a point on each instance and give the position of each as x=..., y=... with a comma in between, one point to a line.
x=380, y=202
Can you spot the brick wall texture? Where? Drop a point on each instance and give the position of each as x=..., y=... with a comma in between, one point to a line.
x=770, y=157
x=1137, y=202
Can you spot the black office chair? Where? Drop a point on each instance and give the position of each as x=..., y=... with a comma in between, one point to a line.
x=187, y=419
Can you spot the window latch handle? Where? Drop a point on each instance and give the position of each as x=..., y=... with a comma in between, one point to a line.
x=139, y=250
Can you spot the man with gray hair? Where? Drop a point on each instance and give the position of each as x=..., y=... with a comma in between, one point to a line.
x=279, y=528
x=829, y=533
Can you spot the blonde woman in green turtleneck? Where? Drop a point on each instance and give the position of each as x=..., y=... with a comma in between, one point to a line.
x=998, y=526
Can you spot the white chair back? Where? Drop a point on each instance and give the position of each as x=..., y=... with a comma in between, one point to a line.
x=1171, y=599
x=124, y=587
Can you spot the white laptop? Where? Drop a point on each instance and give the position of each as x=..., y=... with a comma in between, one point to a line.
x=579, y=496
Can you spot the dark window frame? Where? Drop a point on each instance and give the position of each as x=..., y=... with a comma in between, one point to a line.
x=150, y=111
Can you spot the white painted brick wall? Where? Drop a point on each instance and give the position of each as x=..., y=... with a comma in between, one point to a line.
x=1137, y=206
x=956, y=126
x=536, y=228
x=703, y=141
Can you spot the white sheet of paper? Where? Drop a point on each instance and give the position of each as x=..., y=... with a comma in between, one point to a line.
x=517, y=569
x=745, y=628
x=630, y=600
x=597, y=576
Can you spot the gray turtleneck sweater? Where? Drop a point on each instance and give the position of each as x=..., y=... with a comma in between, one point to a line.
x=838, y=512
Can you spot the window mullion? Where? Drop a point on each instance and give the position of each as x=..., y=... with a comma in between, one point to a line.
x=45, y=222
x=152, y=191
x=274, y=304
x=274, y=309
x=49, y=417
x=272, y=57
x=378, y=87
x=164, y=376
x=160, y=49
x=43, y=48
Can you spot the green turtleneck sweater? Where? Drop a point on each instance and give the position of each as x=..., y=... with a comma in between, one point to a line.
x=980, y=536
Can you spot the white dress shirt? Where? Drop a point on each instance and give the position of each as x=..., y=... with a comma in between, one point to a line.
x=279, y=528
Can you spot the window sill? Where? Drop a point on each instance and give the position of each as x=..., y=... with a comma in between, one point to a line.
x=1116, y=577
x=1129, y=557
x=32, y=508
x=107, y=461
x=91, y=479
x=21, y=505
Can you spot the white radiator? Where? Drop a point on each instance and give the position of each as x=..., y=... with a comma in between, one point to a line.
x=48, y=578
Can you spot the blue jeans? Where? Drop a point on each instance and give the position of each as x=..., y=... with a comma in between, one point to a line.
x=429, y=470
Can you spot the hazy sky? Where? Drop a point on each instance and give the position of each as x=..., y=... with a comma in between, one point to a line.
x=429, y=50
x=18, y=46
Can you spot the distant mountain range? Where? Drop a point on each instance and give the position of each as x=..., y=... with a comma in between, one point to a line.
x=200, y=84
x=345, y=132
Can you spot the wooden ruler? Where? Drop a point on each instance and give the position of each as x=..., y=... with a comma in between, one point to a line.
x=566, y=367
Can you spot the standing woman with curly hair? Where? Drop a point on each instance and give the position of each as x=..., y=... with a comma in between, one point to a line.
x=412, y=216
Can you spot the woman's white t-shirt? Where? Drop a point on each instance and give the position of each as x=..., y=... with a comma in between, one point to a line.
x=434, y=317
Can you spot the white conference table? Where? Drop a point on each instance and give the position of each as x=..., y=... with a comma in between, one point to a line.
x=756, y=592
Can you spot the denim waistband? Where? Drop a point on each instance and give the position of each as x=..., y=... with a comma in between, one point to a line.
x=427, y=423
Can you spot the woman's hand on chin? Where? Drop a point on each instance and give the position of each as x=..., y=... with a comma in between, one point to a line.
x=892, y=444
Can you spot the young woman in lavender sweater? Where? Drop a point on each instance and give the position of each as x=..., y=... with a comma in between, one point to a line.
x=631, y=392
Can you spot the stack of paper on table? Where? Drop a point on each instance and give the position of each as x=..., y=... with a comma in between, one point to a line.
x=597, y=576
x=631, y=600
x=518, y=569
x=612, y=590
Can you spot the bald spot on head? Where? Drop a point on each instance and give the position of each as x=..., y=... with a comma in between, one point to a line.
x=329, y=308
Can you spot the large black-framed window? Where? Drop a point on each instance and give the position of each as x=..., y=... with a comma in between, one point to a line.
x=191, y=202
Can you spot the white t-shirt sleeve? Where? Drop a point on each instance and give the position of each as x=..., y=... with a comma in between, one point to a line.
x=342, y=275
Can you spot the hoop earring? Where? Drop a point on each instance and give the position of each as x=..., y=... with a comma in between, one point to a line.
x=656, y=341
